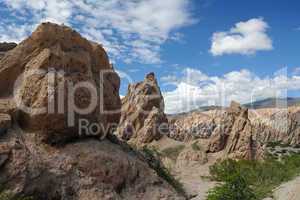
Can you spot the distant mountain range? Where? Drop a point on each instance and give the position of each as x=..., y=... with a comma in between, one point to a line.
x=266, y=103
x=274, y=103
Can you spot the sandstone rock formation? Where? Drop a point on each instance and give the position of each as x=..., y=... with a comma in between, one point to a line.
x=269, y=125
x=62, y=74
x=142, y=119
x=5, y=47
x=235, y=135
x=241, y=142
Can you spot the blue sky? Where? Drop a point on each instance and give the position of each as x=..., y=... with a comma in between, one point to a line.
x=202, y=51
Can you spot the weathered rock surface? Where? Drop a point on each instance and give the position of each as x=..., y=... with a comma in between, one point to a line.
x=5, y=47
x=53, y=61
x=143, y=119
x=82, y=170
x=241, y=142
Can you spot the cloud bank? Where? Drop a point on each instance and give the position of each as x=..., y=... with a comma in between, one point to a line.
x=244, y=38
x=130, y=30
x=196, y=89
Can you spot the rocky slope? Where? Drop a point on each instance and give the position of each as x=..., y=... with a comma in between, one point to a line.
x=83, y=170
x=47, y=159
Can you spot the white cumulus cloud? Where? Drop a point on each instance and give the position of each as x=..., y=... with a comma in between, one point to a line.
x=244, y=38
x=130, y=30
x=194, y=91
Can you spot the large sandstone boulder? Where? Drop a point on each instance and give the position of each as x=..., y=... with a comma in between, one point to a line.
x=62, y=79
x=143, y=119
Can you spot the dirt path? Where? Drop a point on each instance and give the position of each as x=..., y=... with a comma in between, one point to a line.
x=192, y=175
x=288, y=191
x=195, y=185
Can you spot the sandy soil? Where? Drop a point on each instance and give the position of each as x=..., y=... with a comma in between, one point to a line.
x=287, y=191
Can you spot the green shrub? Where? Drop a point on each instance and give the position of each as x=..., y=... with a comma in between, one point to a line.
x=235, y=188
x=262, y=177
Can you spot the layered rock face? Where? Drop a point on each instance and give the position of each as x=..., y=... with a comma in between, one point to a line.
x=277, y=125
x=235, y=135
x=59, y=78
x=5, y=47
x=142, y=119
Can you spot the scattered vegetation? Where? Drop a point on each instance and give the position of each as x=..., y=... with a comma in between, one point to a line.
x=253, y=177
x=173, y=152
x=277, y=144
x=154, y=163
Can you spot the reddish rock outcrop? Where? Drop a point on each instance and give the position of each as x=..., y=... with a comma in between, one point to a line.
x=63, y=74
x=142, y=118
